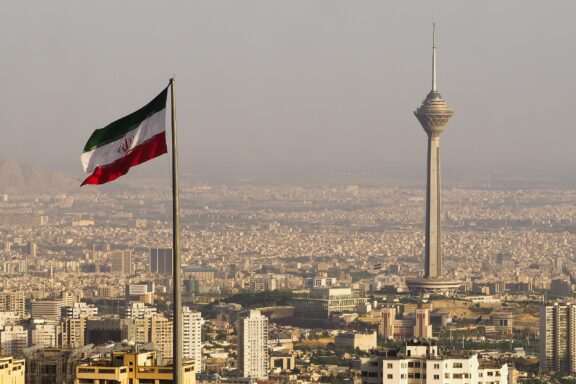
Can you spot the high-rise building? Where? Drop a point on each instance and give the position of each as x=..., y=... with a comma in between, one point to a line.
x=161, y=261
x=13, y=339
x=253, y=345
x=161, y=335
x=192, y=336
x=423, y=328
x=558, y=338
x=433, y=115
x=121, y=262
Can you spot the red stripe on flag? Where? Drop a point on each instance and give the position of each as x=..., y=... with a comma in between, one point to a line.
x=148, y=150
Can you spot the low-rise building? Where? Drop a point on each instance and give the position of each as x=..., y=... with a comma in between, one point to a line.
x=353, y=340
x=131, y=368
x=422, y=363
x=323, y=302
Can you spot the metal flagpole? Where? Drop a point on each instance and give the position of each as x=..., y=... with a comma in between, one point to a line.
x=176, y=259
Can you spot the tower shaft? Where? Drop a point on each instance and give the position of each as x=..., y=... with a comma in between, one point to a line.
x=433, y=252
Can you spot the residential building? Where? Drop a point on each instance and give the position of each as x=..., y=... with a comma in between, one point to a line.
x=12, y=371
x=192, y=336
x=253, y=345
x=558, y=338
x=13, y=339
x=423, y=363
x=13, y=302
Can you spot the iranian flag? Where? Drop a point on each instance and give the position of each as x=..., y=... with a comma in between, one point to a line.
x=129, y=141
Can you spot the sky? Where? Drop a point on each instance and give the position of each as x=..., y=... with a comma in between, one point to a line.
x=296, y=85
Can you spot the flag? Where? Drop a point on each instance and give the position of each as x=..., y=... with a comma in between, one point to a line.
x=129, y=141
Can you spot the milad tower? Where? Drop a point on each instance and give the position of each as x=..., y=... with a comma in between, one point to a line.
x=433, y=115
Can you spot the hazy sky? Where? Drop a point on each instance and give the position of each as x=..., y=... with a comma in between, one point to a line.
x=293, y=84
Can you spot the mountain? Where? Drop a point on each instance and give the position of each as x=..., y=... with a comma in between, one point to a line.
x=16, y=177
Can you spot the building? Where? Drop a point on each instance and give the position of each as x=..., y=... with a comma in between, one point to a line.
x=138, y=310
x=161, y=261
x=423, y=328
x=433, y=115
x=12, y=371
x=192, y=336
x=73, y=332
x=78, y=310
x=352, y=340
x=283, y=361
x=320, y=282
x=47, y=309
x=253, y=345
x=122, y=262
x=558, y=338
x=323, y=302
x=13, y=340
x=198, y=273
x=46, y=334
x=422, y=363
x=143, y=292
x=53, y=365
x=13, y=302
x=131, y=368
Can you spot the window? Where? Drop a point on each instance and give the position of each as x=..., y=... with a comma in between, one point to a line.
x=374, y=363
x=457, y=365
x=389, y=365
x=436, y=377
x=390, y=376
x=436, y=366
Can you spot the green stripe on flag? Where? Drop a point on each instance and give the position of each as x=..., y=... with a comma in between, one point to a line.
x=120, y=127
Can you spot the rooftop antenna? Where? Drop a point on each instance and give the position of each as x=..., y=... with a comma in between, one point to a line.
x=434, y=55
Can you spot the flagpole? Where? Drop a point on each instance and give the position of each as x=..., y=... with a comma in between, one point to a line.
x=176, y=259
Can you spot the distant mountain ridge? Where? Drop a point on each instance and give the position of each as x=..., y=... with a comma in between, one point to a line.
x=17, y=177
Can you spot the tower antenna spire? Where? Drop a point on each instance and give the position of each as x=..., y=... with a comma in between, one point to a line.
x=434, y=55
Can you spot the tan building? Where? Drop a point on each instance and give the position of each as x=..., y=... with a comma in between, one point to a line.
x=131, y=368
x=13, y=302
x=12, y=371
x=73, y=332
x=423, y=329
x=353, y=340
x=47, y=309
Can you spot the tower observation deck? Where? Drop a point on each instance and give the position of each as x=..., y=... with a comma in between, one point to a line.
x=433, y=115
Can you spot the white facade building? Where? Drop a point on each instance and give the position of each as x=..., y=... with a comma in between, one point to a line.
x=192, y=336
x=421, y=363
x=253, y=345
